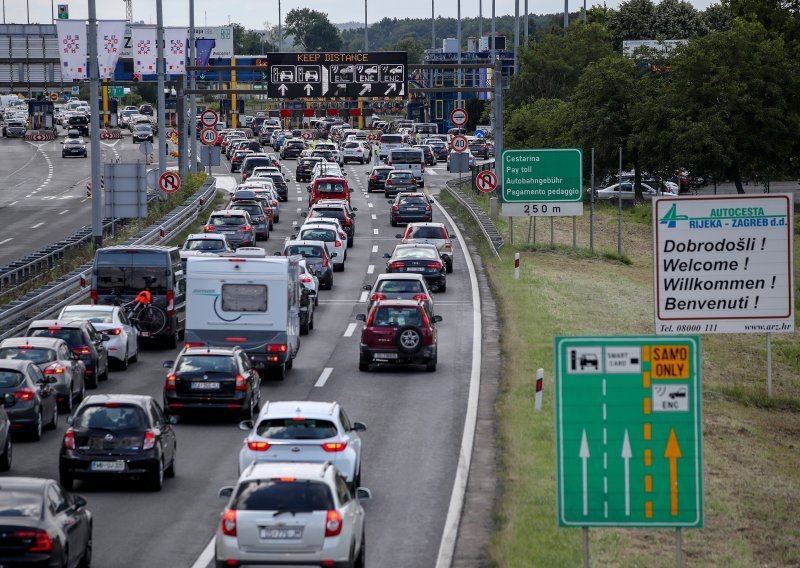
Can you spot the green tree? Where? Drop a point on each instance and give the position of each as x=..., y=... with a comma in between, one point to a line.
x=131, y=99
x=717, y=17
x=544, y=123
x=677, y=19
x=414, y=47
x=635, y=19
x=249, y=42
x=313, y=30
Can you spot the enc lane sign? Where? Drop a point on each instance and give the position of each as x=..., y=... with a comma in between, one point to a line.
x=723, y=264
x=459, y=143
x=628, y=432
x=486, y=181
x=209, y=118
x=546, y=182
x=459, y=117
x=208, y=136
x=169, y=182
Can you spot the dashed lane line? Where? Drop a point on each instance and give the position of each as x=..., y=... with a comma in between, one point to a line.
x=351, y=328
x=323, y=378
x=4, y=241
x=371, y=269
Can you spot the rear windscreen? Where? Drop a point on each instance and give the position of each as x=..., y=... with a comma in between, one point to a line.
x=10, y=378
x=388, y=316
x=319, y=235
x=426, y=233
x=251, y=163
x=20, y=504
x=399, y=286
x=130, y=272
x=299, y=496
x=254, y=210
x=36, y=354
x=413, y=200
x=206, y=364
x=111, y=416
x=227, y=220
x=331, y=187
x=244, y=298
x=296, y=429
x=204, y=244
x=93, y=316
x=72, y=336
x=305, y=251
x=391, y=139
x=330, y=213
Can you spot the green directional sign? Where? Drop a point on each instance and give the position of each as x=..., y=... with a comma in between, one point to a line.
x=542, y=175
x=116, y=92
x=628, y=432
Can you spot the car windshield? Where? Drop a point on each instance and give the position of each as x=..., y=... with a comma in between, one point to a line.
x=296, y=428
x=387, y=316
x=72, y=336
x=207, y=364
x=415, y=253
x=20, y=504
x=399, y=286
x=204, y=244
x=427, y=233
x=94, y=316
x=299, y=496
x=412, y=200
x=10, y=378
x=324, y=235
x=331, y=187
x=36, y=354
x=110, y=416
x=306, y=251
x=227, y=220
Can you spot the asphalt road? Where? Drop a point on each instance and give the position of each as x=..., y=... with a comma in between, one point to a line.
x=42, y=195
x=415, y=419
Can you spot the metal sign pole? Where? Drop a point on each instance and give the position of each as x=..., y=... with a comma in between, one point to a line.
x=678, y=547
x=619, y=206
x=94, y=127
x=585, y=547
x=769, y=365
x=574, y=234
x=162, y=135
x=192, y=98
x=591, y=208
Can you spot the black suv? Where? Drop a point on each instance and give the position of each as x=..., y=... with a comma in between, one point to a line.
x=216, y=379
x=305, y=167
x=120, y=435
x=84, y=341
x=79, y=122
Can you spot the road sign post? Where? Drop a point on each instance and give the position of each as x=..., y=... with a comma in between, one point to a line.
x=542, y=182
x=209, y=118
x=169, y=182
x=628, y=432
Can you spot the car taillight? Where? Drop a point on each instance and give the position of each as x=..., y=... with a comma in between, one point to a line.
x=332, y=447
x=246, y=228
x=395, y=265
x=448, y=245
x=434, y=264
x=333, y=524
x=258, y=446
x=276, y=348
x=171, y=383
x=425, y=320
x=69, y=439
x=422, y=297
x=194, y=344
x=241, y=384
x=427, y=207
x=55, y=369
x=395, y=208
x=389, y=182
x=376, y=297
x=170, y=302
x=82, y=350
x=305, y=278
x=373, y=178
x=93, y=295
x=24, y=394
x=149, y=440
x=229, y=523
x=338, y=243
x=40, y=540
x=113, y=331
x=208, y=229
x=324, y=263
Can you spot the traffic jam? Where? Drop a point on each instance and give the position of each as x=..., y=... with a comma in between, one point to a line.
x=327, y=218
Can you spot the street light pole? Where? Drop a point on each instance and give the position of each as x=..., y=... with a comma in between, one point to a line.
x=526, y=23
x=280, y=33
x=192, y=98
x=366, y=33
x=516, y=36
x=162, y=135
x=459, y=53
x=94, y=127
x=480, y=20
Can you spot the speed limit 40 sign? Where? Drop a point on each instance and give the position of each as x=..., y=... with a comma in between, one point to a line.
x=208, y=136
x=459, y=143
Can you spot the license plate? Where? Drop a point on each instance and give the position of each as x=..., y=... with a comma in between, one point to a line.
x=117, y=465
x=280, y=533
x=205, y=386
x=385, y=356
x=415, y=269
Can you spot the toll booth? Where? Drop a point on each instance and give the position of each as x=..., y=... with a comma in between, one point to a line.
x=41, y=115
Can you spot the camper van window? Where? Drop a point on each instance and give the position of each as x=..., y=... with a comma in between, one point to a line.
x=244, y=298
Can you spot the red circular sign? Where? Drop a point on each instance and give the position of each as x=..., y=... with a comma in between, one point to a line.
x=486, y=181
x=209, y=118
x=459, y=143
x=459, y=117
x=169, y=182
x=208, y=136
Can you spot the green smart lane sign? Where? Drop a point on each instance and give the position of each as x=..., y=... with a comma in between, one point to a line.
x=542, y=175
x=628, y=432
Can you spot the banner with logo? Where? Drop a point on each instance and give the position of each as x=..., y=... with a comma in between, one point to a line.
x=110, y=39
x=175, y=43
x=72, y=48
x=203, y=50
x=144, y=51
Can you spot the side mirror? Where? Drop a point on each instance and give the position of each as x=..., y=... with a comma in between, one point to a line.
x=168, y=364
x=50, y=380
x=308, y=188
x=363, y=494
x=359, y=427
x=398, y=236
x=278, y=253
x=334, y=254
x=246, y=425
x=368, y=287
x=430, y=200
x=361, y=317
x=172, y=419
x=451, y=236
x=9, y=400
x=225, y=492
x=79, y=501
x=354, y=210
x=437, y=319
x=104, y=337
x=387, y=255
x=70, y=420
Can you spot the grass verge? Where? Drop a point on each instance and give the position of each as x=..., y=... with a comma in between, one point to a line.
x=752, y=464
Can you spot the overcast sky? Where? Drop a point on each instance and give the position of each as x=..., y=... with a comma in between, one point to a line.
x=254, y=13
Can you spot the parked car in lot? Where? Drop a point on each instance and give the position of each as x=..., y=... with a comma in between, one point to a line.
x=420, y=259
x=43, y=525
x=612, y=192
x=432, y=234
x=216, y=379
x=410, y=207
x=296, y=514
x=118, y=436
x=35, y=406
x=84, y=341
x=398, y=332
x=123, y=336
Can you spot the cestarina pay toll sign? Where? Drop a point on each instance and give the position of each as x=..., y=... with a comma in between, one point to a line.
x=723, y=264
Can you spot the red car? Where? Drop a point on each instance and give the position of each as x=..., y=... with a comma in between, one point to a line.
x=328, y=188
x=398, y=332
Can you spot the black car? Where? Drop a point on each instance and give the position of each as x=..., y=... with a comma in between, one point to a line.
x=146, y=110
x=305, y=167
x=83, y=339
x=80, y=123
x=377, y=178
x=280, y=185
x=411, y=208
x=428, y=154
x=35, y=406
x=397, y=181
x=218, y=379
x=258, y=216
x=142, y=133
x=43, y=525
x=419, y=259
x=335, y=209
x=120, y=435
x=292, y=149
x=317, y=259
x=74, y=147
x=5, y=432
x=440, y=151
x=479, y=149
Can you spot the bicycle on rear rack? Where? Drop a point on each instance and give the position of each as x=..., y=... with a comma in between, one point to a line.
x=148, y=318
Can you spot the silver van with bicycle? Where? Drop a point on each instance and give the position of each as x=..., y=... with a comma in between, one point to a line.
x=121, y=274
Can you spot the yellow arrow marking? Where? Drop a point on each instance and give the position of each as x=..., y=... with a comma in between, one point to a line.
x=673, y=454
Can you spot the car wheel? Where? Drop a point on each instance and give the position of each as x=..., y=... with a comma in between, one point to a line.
x=36, y=431
x=431, y=366
x=156, y=481
x=170, y=471
x=393, y=222
x=311, y=323
x=53, y=424
x=104, y=376
x=86, y=560
x=279, y=373
x=448, y=267
x=409, y=339
x=304, y=328
x=68, y=402
x=123, y=365
x=442, y=288
x=91, y=382
x=172, y=341
x=5, y=459
x=135, y=357
x=82, y=393
x=363, y=366
x=362, y=555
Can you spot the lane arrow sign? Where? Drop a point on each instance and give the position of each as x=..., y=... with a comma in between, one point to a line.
x=392, y=87
x=402, y=90
x=627, y=455
x=283, y=88
x=366, y=89
x=673, y=454
x=308, y=88
x=584, y=455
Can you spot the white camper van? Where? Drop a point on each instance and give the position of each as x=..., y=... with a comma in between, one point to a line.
x=246, y=299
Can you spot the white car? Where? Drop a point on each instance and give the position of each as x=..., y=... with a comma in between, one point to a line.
x=612, y=192
x=337, y=154
x=355, y=151
x=204, y=243
x=123, y=345
x=335, y=240
x=297, y=514
x=309, y=280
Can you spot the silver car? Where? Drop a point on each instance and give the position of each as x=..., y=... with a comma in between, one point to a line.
x=433, y=234
x=123, y=342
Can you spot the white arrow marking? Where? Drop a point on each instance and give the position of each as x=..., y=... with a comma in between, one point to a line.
x=402, y=89
x=627, y=455
x=392, y=87
x=584, y=455
x=308, y=88
x=283, y=88
x=366, y=89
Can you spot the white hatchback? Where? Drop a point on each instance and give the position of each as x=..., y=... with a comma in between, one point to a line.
x=335, y=240
x=123, y=345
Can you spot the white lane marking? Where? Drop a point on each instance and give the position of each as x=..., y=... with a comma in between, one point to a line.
x=374, y=217
x=351, y=328
x=450, y=533
x=4, y=241
x=13, y=203
x=206, y=556
x=374, y=231
x=300, y=198
x=64, y=211
x=323, y=378
x=363, y=298
x=37, y=225
x=374, y=248
x=371, y=269
x=369, y=205
x=430, y=171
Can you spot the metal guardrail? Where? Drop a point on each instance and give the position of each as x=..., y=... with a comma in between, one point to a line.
x=46, y=301
x=484, y=222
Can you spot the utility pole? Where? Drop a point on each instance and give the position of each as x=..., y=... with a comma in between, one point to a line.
x=459, y=54
x=366, y=33
x=162, y=134
x=494, y=31
x=94, y=128
x=516, y=36
x=433, y=24
x=192, y=98
x=566, y=14
x=280, y=33
x=480, y=20
x=526, y=23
